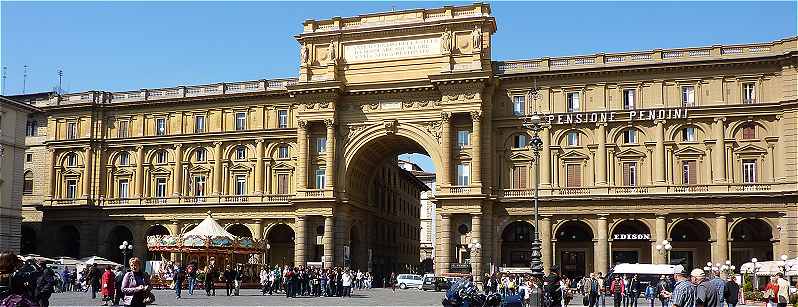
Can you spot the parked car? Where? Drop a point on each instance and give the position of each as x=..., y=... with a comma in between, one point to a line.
x=409, y=281
x=436, y=283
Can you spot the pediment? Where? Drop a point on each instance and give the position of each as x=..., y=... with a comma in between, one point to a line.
x=198, y=169
x=283, y=165
x=161, y=170
x=71, y=172
x=122, y=172
x=689, y=151
x=750, y=149
x=520, y=156
x=573, y=155
x=240, y=167
x=631, y=153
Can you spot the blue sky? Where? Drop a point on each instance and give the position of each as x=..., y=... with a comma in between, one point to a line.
x=117, y=46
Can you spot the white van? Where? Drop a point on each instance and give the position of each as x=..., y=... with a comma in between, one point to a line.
x=409, y=281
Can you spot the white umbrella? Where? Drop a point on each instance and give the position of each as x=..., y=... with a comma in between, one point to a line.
x=98, y=260
x=37, y=258
x=68, y=261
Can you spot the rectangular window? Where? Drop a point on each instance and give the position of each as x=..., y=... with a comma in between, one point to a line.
x=71, y=188
x=573, y=139
x=27, y=187
x=629, y=99
x=519, y=141
x=320, y=178
x=573, y=102
x=241, y=121
x=749, y=93
x=160, y=157
x=28, y=157
x=122, y=132
x=124, y=187
x=688, y=96
x=72, y=159
x=630, y=174
x=199, y=186
x=688, y=134
x=282, y=183
x=160, y=187
x=520, y=175
x=689, y=172
x=160, y=126
x=241, y=185
x=282, y=119
x=31, y=127
x=201, y=155
x=72, y=131
x=463, y=173
x=463, y=138
x=573, y=175
x=321, y=145
x=199, y=123
x=749, y=171
x=518, y=105
x=630, y=136
x=282, y=152
x=241, y=153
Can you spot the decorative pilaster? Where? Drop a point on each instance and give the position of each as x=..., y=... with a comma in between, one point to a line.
x=51, y=173
x=140, y=172
x=545, y=160
x=476, y=235
x=446, y=149
x=660, y=233
x=721, y=252
x=659, y=154
x=302, y=143
x=476, y=149
x=718, y=152
x=602, y=246
x=177, y=174
x=446, y=248
x=330, y=154
x=217, y=169
x=87, y=153
x=601, y=155
x=259, y=167
x=299, y=244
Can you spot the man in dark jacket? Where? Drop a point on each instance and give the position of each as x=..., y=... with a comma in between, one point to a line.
x=45, y=287
x=94, y=280
x=551, y=284
x=229, y=279
x=731, y=292
x=118, y=277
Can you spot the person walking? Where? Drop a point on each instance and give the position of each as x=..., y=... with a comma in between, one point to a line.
x=663, y=286
x=683, y=294
x=633, y=291
x=706, y=292
x=617, y=290
x=783, y=295
x=229, y=277
x=771, y=292
x=264, y=280
x=731, y=292
x=45, y=286
x=346, y=282
x=93, y=278
x=178, y=275
x=650, y=294
x=66, y=282
x=136, y=285
x=392, y=281
x=238, y=275
x=209, y=280
x=191, y=275
x=602, y=289
x=118, y=277
x=108, y=281
x=553, y=290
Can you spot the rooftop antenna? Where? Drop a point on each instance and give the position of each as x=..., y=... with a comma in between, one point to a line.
x=24, y=77
x=5, y=71
x=60, y=75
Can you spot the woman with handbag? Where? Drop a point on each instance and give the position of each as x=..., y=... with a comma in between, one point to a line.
x=136, y=286
x=771, y=291
x=107, y=285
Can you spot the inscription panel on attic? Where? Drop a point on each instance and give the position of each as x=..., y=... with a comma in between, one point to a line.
x=393, y=49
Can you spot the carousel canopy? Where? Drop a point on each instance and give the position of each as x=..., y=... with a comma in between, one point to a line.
x=208, y=228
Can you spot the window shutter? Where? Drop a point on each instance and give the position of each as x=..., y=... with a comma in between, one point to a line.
x=692, y=172
x=749, y=132
x=627, y=174
x=573, y=175
x=282, y=184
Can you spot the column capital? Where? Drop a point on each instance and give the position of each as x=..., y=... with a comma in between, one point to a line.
x=178, y=146
x=303, y=124
x=476, y=115
x=86, y=147
x=259, y=141
x=446, y=116
x=659, y=122
x=597, y=125
x=330, y=123
x=719, y=119
x=603, y=216
x=139, y=147
x=217, y=144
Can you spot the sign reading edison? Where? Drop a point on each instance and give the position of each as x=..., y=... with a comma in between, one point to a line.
x=392, y=49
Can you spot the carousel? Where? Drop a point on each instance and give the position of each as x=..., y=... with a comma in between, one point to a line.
x=207, y=244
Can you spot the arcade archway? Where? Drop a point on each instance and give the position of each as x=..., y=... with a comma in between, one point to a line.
x=690, y=241
x=28, y=241
x=67, y=242
x=574, y=249
x=116, y=236
x=157, y=230
x=280, y=248
x=516, y=244
x=751, y=238
x=631, y=242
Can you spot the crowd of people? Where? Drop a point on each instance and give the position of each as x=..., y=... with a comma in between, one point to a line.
x=312, y=281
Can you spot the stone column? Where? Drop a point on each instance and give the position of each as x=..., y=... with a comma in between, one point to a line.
x=177, y=189
x=87, y=171
x=51, y=173
x=660, y=233
x=217, y=170
x=659, y=154
x=545, y=159
x=476, y=234
x=446, y=248
x=329, y=169
x=601, y=155
x=301, y=167
x=718, y=152
x=140, y=172
x=721, y=252
x=259, y=167
x=476, y=149
x=779, y=172
x=299, y=244
x=446, y=149
x=555, y=179
x=601, y=257
x=328, y=241
x=546, y=246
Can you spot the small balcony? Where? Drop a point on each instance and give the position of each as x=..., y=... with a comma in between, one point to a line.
x=275, y=199
x=730, y=188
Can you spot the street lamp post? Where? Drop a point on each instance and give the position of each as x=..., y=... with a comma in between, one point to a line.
x=474, y=248
x=125, y=248
x=534, y=124
x=665, y=248
x=756, y=268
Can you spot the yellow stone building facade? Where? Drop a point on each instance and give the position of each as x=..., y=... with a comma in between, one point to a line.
x=693, y=145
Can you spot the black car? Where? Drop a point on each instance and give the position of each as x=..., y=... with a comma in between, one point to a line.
x=436, y=283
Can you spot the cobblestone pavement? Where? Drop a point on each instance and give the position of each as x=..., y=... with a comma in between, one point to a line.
x=252, y=297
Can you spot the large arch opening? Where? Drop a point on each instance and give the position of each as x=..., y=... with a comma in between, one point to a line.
x=690, y=241
x=574, y=252
x=280, y=245
x=116, y=236
x=751, y=238
x=631, y=242
x=68, y=241
x=28, y=241
x=389, y=180
x=157, y=230
x=516, y=249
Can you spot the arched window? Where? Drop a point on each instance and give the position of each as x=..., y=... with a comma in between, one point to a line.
x=27, y=187
x=160, y=157
x=282, y=152
x=520, y=141
x=688, y=134
x=124, y=158
x=72, y=159
x=241, y=153
x=201, y=155
x=630, y=136
x=573, y=138
x=749, y=131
